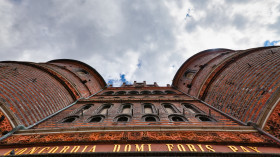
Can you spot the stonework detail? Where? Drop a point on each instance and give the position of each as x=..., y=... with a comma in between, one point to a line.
x=147, y=136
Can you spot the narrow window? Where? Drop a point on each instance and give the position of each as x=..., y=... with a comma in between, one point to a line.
x=126, y=109
x=190, y=108
x=148, y=108
x=84, y=108
x=170, y=109
x=104, y=109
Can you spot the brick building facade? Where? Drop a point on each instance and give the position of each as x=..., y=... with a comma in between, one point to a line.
x=221, y=103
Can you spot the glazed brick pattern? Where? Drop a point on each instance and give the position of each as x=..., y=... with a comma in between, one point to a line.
x=72, y=77
x=244, y=88
x=30, y=93
x=5, y=125
x=90, y=80
x=143, y=136
x=137, y=117
x=273, y=123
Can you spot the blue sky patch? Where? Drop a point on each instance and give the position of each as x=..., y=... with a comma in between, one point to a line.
x=272, y=43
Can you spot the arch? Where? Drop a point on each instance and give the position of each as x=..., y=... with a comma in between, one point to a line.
x=104, y=109
x=133, y=92
x=120, y=93
x=96, y=119
x=123, y=118
x=204, y=118
x=70, y=119
x=190, y=108
x=170, y=108
x=148, y=108
x=158, y=92
x=170, y=92
x=146, y=92
x=150, y=118
x=108, y=93
x=84, y=108
x=177, y=118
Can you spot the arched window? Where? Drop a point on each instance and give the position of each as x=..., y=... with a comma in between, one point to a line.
x=190, y=108
x=150, y=118
x=133, y=92
x=123, y=118
x=96, y=119
x=204, y=118
x=177, y=118
x=70, y=119
x=169, y=108
x=82, y=72
x=148, y=108
x=145, y=92
x=108, y=93
x=170, y=92
x=105, y=109
x=84, y=108
x=189, y=74
x=120, y=92
x=126, y=108
x=157, y=92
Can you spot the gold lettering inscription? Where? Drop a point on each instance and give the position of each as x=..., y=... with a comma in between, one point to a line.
x=64, y=149
x=84, y=149
x=139, y=149
x=210, y=148
x=191, y=148
x=233, y=148
x=92, y=149
x=200, y=147
x=117, y=148
x=21, y=151
x=149, y=147
x=42, y=150
x=170, y=147
x=75, y=149
x=54, y=149
x=244, y=149
x=9, y=152
x=127, y=148
x=33, y=150
x=181, y=147
x=254, y=149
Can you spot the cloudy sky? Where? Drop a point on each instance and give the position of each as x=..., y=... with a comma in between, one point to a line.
x=127, y=40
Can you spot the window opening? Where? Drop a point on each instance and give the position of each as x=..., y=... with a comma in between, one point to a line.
x=204, y=119
x=145, y=92
x=170, y=92
x=126, y=109
x=105, y=109
x=123, y=119
x=133, y=92
x=169, y=108
x=150, y=119
x=70, y=119
x=96, y=119
x=177, y=119
x=157, y=92
x=148, y=108
x=108, y=93
x=120, y=93
x=190, y=108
